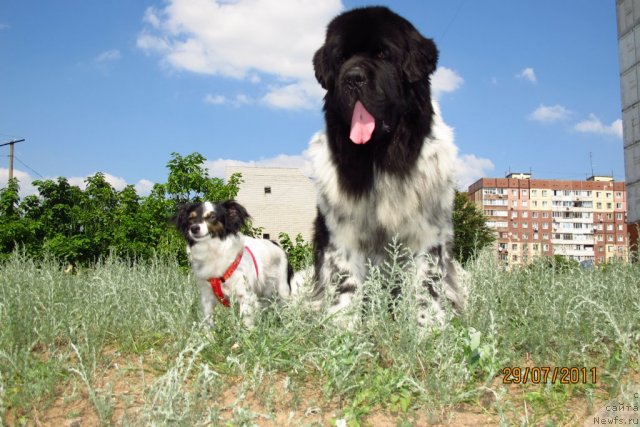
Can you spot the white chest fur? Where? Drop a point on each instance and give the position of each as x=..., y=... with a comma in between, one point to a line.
x=416, y=208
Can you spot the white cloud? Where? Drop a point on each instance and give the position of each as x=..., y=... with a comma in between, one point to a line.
x=301, y=161
x=24, y=181
x=294, y=96
x=215, y=99
x=594, y=125
x=109, y=55
x=143, y=187
x=445, y=80
x=243, y=39
x=471, y=168
x=528, y=74
x=549, y=114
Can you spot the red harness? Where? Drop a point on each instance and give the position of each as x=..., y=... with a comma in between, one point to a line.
x=216, y=282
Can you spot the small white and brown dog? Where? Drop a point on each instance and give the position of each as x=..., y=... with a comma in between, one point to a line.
x=228, y=265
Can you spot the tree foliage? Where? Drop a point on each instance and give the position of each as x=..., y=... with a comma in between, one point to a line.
x=471, y=232
x=79, y=226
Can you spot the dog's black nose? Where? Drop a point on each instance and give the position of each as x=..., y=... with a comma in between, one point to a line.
x=195, y=229
x=355, y=77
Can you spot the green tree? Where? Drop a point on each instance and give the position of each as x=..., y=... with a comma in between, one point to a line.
x=14, y=230
x=80, y=226
x=470, y=229
x=299, y=253
x=189, y=181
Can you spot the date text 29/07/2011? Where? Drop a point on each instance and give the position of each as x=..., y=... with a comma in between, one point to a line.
x=548, y=374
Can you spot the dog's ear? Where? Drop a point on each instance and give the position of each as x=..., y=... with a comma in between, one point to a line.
x=236, y=216
x=181, y=219
x=421, y=58
x=322, y=68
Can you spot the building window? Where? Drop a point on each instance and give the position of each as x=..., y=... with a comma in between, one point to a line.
x=266, y=236
x=267, y=190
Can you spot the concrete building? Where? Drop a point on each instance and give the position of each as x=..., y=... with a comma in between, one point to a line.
x=278, y=199
x=628, y=18
x=582, y=220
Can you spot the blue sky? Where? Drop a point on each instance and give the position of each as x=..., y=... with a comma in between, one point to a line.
x=116, y=86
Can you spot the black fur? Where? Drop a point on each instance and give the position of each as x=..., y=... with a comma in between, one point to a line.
x=229, y=218
x=388, y=185
x=394, y=63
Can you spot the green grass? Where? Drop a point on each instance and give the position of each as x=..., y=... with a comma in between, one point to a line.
x=61, y=336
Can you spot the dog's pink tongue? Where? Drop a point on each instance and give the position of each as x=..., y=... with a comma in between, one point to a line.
x=362, y=124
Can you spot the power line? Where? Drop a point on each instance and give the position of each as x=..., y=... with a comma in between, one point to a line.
x=28, y=167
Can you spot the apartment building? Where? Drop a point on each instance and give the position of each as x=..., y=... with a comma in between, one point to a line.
x=278, y=200
x=581, y=220
x=628, y=20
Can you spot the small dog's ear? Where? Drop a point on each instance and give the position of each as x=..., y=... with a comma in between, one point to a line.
x=421, y=58
x=235, y=217
x=321, y=67
x=181, y=219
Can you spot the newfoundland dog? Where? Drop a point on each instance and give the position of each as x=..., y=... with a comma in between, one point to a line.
x=384, y=167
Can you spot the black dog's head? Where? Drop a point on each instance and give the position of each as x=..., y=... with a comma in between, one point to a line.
x=207, y=220
x=375, y=67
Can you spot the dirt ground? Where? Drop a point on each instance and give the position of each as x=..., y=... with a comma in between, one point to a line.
x=127, y=381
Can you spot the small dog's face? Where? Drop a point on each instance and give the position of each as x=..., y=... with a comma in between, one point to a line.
x=207, y=220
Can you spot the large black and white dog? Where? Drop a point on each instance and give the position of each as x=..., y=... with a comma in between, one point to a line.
x=384, y=167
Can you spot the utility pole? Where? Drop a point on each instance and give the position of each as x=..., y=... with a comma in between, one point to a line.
x=10, y=144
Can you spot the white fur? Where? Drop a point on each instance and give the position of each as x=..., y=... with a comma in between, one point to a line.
x=211, y=257
x=416, y=209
